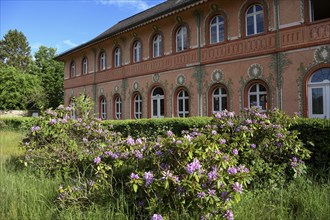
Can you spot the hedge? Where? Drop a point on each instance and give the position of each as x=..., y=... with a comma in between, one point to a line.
x=315, y=133
x=16, y=123
x=151, y=128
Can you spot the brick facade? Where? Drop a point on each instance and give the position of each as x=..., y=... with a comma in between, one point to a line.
x=280, y=59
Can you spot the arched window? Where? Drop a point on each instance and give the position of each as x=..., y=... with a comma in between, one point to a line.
x=257, y=96
x=157, y=45
x=219, y=99
x=183, y=104
x=137, y=106
x=73, y=111
x=318, y=9
x=254, y=20
x=181, y=39
x=137, y=51
x=103, y=108
x=117, y=57
x=157, y=103
x=217, y=29
x=102, y=61
x=319, y=94
x=84, y=66
x=118, y=107
x=72, y=69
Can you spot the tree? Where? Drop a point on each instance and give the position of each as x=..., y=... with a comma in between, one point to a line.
x=15, y=51
x=19, y=91
x=51, y=75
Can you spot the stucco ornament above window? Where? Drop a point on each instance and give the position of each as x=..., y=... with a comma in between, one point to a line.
x=116, y=89
x=217, y=75
x=101, y=91
x=71, y=92
x=155, y=77
x=255, y=71
x=322, y=54
x=135, y=85
x=180, y=80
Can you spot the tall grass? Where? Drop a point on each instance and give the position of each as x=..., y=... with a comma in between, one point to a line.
x=302, y=199
x=24, y=195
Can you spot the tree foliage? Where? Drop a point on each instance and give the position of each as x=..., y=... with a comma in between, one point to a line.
x=15, y=50
x=42, y=83
x=51, y=75
x=19, y=91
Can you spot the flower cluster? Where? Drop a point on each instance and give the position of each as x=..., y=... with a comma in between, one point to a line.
x=148, y=177
x=194, y=166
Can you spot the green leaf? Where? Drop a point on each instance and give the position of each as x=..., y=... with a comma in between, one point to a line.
x=135, y=187
x=190, y=155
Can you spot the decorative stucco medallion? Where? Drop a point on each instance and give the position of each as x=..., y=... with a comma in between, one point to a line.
x=155, y=77
x=322, y=54
x=101, y=91
x=255, y=71
x=116, y=89
x=135, y=85
x=84, y=89
x=214, y=7
x=217, y=75
x=180, y=80
x=179, y=19
x=71, y=92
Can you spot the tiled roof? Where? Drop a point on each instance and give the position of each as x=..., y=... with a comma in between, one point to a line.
x=136, y=20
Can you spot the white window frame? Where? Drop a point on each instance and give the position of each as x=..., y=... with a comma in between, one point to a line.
x=181, y=39
x=137, y=106
x=254, y=15
x=158, y=98
x=85, y=66
x=103, y=108
x=217, y=24
x=137, y=51
x=325, y=87
x=102, y=61
x=72, y=69
x=182, y=97
x=117, y=57
x=219, y=96
x=118, y=107
x=157, y=45
x=258, y=94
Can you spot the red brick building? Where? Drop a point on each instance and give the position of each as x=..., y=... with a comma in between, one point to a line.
x=195, y=57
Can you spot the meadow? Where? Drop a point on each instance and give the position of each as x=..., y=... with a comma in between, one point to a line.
x=25, y=195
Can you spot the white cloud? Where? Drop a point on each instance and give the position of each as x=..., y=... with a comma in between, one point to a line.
x=138, y=4
x=70, y=43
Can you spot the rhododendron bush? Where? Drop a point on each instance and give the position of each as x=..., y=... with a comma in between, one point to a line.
x=203, y=171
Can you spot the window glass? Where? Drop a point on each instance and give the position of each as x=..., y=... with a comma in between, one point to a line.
x=181, y=39
x=254, y=20
x=102, y=60
x=217, y=29
x=258, y=96
x=219, y=99
x=137, y=51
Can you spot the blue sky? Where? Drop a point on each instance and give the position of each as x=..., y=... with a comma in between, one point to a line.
x=64, y=24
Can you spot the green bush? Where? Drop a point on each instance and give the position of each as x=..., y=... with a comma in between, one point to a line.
x=203, y=171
